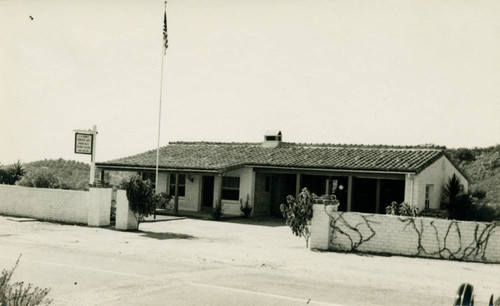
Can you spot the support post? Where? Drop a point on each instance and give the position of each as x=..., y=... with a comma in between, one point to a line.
x=377, y=200
x=92, y=156
x=297, y=185
x=176, y=198
x=350, y=186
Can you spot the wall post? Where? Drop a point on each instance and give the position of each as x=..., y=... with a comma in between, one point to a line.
x=125, y=219
x=99, y=207
x=321, y=230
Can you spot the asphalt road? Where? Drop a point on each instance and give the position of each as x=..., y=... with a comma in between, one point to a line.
x=196, y=262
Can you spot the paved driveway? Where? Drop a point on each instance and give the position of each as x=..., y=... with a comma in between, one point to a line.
x=200, y=262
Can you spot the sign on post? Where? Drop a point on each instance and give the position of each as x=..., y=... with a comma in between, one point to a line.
x=83, y=143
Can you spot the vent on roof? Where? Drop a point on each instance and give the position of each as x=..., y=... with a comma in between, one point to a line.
x=272, y=139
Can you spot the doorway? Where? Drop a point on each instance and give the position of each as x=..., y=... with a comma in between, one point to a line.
x=364, y=195
x=207, y=192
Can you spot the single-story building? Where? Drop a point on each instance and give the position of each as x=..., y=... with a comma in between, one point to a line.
x=364, y=178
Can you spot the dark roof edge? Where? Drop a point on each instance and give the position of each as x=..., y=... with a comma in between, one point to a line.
x=139, y=167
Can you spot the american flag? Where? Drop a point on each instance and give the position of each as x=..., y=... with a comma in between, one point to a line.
x=165, y=34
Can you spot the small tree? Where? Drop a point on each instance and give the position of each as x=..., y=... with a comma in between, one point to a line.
x=140, y=198
x=298, y=214
x=450, y=192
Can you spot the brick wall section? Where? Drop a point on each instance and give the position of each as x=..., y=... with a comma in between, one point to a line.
x=422, y=237
x=46, y=204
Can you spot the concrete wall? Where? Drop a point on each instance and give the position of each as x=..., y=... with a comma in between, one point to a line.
x=45, y=204
x=91, y=207
x=437, y=175
x=421, y=237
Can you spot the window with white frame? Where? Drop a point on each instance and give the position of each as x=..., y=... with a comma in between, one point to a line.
x=230, y=188
x=429, y=190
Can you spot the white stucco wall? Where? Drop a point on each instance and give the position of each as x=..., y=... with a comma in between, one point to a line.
x=437, y=175
x=191, y=201
x=162, y=182
x=247, y=183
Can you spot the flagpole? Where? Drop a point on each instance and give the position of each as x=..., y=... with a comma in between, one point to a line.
x=163, y=51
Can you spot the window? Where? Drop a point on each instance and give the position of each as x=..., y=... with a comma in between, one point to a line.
x=182, y=185
x=429, y=190
x=230, y=188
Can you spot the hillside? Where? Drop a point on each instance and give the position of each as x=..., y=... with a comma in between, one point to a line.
x=482, y=165
x=65, y=174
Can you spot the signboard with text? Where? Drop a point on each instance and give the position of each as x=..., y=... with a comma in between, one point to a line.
x=83, y=143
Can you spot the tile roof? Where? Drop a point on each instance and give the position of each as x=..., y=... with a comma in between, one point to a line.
x=224, y=156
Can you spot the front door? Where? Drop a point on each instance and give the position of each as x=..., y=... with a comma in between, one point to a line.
x=207, y=192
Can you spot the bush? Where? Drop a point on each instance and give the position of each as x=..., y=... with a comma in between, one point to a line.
x=298, y=213
x=479, y=194
x=217, y=211
x=161, y=200
x=12, y=174
x=19, y=293
x=486, y=213
x=140, y=198
x=462, y=208
x=40, y=178
x=403, y=209
x=246, y=209
x=464, y=154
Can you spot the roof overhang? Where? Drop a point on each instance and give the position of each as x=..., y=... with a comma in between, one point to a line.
x=334, y=170
x=152, y=168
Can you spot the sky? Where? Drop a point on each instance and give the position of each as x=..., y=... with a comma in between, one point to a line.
x=358, y=72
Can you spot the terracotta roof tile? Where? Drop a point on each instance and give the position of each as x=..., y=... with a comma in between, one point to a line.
x=223, y=156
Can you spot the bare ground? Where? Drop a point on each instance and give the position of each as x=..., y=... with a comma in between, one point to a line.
x=201, y=262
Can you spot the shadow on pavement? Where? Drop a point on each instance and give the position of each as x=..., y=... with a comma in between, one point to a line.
x=165, y=236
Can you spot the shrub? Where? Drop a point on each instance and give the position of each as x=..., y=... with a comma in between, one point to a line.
x=140, y=198
x=479, y=194
x=246, y=209
x=486, y=213
x=12, y=174
x=20, y=293
x=464, y=154
x=450, y=192
x=462, y=208
x=298, y=214
x=217, y=211
x=403, y=209
x=40, y=178
x=161, y=200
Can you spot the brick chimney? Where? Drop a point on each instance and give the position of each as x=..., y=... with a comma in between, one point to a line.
x=272, y=139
